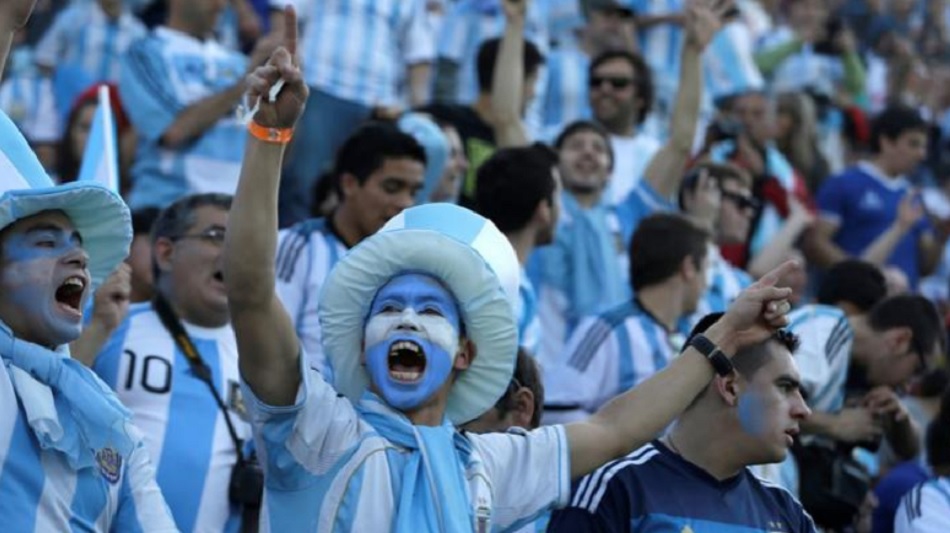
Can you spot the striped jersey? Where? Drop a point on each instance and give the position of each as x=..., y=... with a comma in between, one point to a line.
x=43, y=493
x=655, y=489
x=728, y=64
x=358, y=50
x=925, y=509
x=607, y=355
x=28, y=99
x=824, y=355
x=327, y=469
x=83, y=36
x=162, y=75
x=185, y=431
x=805, y=69
x=566, y=96
x=306, y=253
x=529, y=324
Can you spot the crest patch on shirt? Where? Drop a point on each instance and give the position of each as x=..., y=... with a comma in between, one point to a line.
x=110, y=464
x=236, y=399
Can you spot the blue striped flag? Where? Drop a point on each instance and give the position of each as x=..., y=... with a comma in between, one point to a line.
x=100, y=159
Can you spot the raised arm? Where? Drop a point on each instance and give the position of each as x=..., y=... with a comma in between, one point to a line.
x=635, y=417
x=268, y=350
x=13, y=15
x=508, y=80
x=703, y=19
x=110, y=306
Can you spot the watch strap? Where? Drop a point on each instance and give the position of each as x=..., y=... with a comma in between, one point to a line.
x=720, y=363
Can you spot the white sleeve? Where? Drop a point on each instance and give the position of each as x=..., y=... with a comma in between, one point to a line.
x=925, y=509
x=298, y=284
x=580, y=378
x=529, y=473
x=307, y=438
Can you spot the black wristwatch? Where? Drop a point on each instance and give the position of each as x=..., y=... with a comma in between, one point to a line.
x=714, y=355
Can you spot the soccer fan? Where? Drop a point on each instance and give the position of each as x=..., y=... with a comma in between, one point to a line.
x=926, y=509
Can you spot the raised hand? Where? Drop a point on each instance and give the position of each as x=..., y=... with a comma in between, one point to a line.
x=703, y=19
x=759, y=310
x=111, y=301
x=909, y=211
x=287, y=106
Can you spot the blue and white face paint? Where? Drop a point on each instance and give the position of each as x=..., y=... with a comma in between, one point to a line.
x=43, y=280
x=412, y=339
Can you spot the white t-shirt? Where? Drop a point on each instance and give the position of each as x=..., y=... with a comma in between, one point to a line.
x=631, y=157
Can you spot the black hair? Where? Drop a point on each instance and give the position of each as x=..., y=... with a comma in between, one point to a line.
x=642, y=77
x=527, y=374
x=750, y=359
x=856, y=282
x=579, y=126
x=369, y=147
x=488, y=54
x=512, y=183
x=660, y=244
x=323, y=189
x=179, y=217
x=893, y=122
x=143, y=219
x=914, y=312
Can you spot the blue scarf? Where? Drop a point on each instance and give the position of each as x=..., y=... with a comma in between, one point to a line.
x=595, y=281
x=433, y=494
x=68, y=408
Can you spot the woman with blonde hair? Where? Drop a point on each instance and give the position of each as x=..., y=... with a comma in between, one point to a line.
x=797, y=136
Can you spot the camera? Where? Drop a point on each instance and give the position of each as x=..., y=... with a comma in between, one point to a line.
x=246, y=488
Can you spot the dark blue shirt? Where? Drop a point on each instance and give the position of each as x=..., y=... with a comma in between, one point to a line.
x=654, y=489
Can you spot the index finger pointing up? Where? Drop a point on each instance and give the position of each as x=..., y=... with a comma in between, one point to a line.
x=776, y=274
x=290, y=31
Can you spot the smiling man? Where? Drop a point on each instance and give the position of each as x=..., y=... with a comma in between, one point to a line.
x=69, y=457
x=418, y=323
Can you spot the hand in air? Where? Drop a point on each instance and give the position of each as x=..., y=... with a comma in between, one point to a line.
x=283, y=67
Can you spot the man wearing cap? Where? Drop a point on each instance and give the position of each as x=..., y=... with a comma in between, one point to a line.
x=69, y=456
x=419, y=325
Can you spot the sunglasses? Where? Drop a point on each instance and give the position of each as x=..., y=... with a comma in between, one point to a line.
x=615, y=82
x=742, y=201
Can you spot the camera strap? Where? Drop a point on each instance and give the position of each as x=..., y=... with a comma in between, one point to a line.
x=198, y=366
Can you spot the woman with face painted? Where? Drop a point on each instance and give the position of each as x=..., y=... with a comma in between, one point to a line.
x=70, y=457
x=419, y=328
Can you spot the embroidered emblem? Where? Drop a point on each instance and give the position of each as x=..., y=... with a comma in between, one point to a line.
x=110, y=464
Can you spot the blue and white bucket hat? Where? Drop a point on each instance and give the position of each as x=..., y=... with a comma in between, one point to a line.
x=98, y=214
x=471, y=257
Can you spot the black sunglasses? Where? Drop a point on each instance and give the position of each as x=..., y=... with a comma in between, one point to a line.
x=742, y=201
x=616, y=82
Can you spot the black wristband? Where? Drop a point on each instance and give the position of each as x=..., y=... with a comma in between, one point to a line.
x=721, y=364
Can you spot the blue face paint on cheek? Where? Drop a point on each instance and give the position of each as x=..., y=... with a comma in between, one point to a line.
x=752, y=414
x=416, y=309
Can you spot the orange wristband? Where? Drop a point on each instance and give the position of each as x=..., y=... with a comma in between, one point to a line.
x=270, y=135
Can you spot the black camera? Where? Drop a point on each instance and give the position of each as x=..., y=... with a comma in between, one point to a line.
x=247, y=483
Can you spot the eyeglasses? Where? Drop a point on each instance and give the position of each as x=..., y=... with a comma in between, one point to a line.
x=615, y=82
x=211, y=235
x=742, y=201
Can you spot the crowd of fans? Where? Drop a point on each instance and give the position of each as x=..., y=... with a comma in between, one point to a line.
x=646, y=159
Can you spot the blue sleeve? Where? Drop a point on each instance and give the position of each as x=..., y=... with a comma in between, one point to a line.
x=613, y=514
x=642, y=202
x=833, y=198
x=147, y=94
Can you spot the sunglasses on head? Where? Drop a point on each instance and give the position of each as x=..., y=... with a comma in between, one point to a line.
x=742, y=201
x=615, y=82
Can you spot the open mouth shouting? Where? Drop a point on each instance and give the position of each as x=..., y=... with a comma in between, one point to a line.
x=69, y=295
x=406, y=361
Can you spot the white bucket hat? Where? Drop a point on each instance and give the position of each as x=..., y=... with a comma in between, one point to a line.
x=471, y=257
x=98, y=214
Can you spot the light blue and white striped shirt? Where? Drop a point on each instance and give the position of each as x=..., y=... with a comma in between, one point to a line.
x=607, y=355
x=185, y=431
x=83, y=35
x=42, y=493
x=925, y=509
x=529, y=324
x=162, y=75
x=660, y=46
x=804, y=69
x=306, y=253
x=728, y=64
x=824, y=355
x=358, y=50
x=28, y=99
x=566, y=97
x=327, y=469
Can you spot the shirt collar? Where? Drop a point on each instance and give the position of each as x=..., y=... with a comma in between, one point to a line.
x=894, y=184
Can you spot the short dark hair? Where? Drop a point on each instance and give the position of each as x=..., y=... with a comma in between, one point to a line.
x=579, y=126
x=176, y=219
x=856, y=282
x=659, y=246
x=488, y=54
x=893, y=122
x=750, y=359
x=527, y=374
x=938, y=434
x=512, y=183
x=642, y=77
x=367, y=149
x=914, y=312
x=143, y=219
